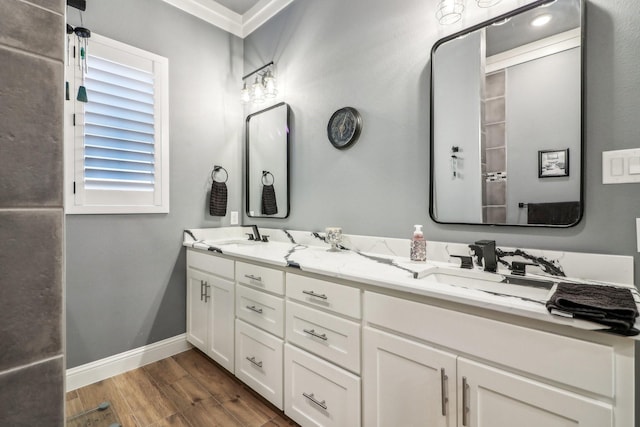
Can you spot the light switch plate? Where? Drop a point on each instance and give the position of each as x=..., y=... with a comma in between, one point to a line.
x=234, y=218
x=621, y=166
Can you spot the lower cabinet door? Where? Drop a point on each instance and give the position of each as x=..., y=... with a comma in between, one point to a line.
x=490, y=397
x=259, y=361
x=406, y=383
x=318, y=393
x=197, y=309
x=221, y=295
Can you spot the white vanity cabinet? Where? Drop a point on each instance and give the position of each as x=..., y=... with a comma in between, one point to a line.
x=260, y=330
x=210, y=306
x=322, y=354
x=543, y=379
x=406, y=383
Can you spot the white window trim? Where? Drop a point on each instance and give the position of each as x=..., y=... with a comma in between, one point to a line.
x=73, y=204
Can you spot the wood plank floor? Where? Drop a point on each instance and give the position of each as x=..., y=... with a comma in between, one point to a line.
x=185, y=390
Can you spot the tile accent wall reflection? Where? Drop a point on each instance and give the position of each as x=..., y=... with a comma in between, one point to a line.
x=494, y=149
x=31, y=213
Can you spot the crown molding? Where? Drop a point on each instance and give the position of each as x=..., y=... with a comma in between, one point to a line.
x=261, y=13
x=239, y=25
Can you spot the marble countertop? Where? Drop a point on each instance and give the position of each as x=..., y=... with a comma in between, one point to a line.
x=384, y=263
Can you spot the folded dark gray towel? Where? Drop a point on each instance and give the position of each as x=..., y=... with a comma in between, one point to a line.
x=608, y=305
x=269, y=205
x=218, y=199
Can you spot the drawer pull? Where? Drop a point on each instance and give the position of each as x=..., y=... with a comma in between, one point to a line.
x=207, y=297
x=253, y=308
x=252, y=277
x=445, y=394
x=313, y=333
x=313, y=294
x=321, y=404
x=465, y=402
x=201, y=290
x=253, y=360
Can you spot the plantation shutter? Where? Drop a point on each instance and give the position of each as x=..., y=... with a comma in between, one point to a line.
x=119, y=141
x=121, y=135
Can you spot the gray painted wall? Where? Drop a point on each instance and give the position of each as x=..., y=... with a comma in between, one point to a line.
x=374, y=55
x=543, y=113
x=459, y=67
x=126, y=273
x=31, y=214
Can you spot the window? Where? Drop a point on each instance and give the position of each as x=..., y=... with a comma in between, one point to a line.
x=117, y=143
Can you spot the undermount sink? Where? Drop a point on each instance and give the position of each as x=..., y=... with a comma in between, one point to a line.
x=522, y=287
x=216, y=243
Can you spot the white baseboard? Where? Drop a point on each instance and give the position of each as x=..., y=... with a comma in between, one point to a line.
x=99, y=370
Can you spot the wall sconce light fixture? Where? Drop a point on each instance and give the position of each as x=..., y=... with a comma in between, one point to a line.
x=263, y=86
x=450, y=11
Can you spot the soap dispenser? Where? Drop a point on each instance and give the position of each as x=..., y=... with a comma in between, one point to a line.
x=418, y=245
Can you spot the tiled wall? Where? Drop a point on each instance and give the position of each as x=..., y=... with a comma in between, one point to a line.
x=31, y=213
x=495, y=150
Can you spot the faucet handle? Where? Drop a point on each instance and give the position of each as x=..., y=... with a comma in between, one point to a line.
x=519, y=268
x=265, y=238
x=251, y=236
x=465, y=261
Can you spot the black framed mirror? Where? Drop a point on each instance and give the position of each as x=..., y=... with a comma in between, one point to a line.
x=267, y=162
x=506, y=118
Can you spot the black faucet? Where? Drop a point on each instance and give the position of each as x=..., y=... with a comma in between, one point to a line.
x=486, y=249
x=256, y=234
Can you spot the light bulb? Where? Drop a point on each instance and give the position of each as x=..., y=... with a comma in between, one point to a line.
x=270, y=90
x=258, y=91
x=244, y=93
x=541, y=20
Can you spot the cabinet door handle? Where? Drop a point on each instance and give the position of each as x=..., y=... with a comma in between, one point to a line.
x=313, y=333
x=445, y=392
x=252, y=359
x=207, y=297
x=201, y=290
x=312, y=398
x=253, y=308
x=465, y=402
x=313, y=294
x=252, y=277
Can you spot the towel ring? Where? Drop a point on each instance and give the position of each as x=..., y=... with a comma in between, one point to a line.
x=265, y=178
x=217, y=169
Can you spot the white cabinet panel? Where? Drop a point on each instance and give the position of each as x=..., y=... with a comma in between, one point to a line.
x=197, y=309
x=221, y=321
x=491, y=397
x=334, y=338
x=260, y=309
x=263, y=278
x=406, y=383
x=319, y=394
x=259, y=361
x=210, y=264
x=330, y=296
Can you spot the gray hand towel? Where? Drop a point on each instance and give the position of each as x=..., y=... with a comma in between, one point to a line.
x=269, y=205
x=218, y=199
x=608, y=305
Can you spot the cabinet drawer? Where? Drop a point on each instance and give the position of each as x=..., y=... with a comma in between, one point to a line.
x=326, y=335
x=210, y=263
x=260, y=309
x=259, y=361
x=327, y=295
x=582, y=364
x=317, y=393
x=260, y=277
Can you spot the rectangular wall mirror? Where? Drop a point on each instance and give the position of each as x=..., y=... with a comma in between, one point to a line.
x=267, y=162
x=506, y=119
